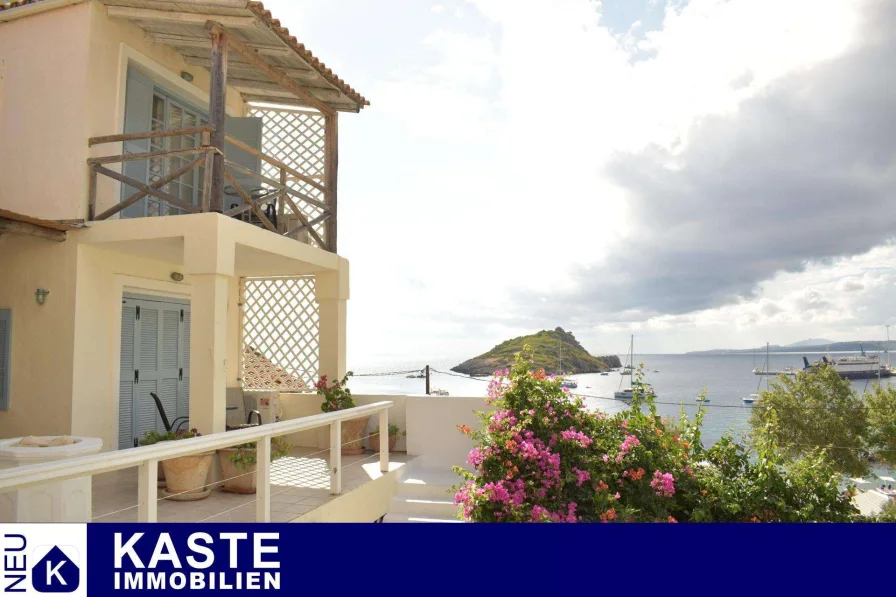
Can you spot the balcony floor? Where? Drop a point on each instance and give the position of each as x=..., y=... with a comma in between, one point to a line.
x=300, y=483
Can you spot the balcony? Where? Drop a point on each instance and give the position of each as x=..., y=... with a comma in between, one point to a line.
x=278, y=205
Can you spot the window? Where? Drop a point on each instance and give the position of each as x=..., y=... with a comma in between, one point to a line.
x=168, y=113
x=5, y=343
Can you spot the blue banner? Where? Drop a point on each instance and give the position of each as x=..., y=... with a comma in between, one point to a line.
x=349, y=559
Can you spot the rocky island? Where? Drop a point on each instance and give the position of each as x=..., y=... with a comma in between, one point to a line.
x=547, y=347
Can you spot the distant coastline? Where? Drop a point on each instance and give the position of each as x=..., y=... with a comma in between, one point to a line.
x=853, y=346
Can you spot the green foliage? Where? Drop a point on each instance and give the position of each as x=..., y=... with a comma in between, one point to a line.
x=336, y=396
x=154, y=437
x=545, y=351
x=881, y=404
x=540, y=456
x=245, y=455
x=394, y=431
x=816, y=410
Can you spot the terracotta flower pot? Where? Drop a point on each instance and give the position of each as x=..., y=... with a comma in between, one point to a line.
x=160, y=476
x=237, y=479
x=375, y=442
x=353, y=432
x=187, y=474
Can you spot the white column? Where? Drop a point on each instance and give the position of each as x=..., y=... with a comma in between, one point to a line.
x=332, y=290
x=384, y=440
x=336, y=458
x=147, y=491
x=209, y=261
x=263, y=480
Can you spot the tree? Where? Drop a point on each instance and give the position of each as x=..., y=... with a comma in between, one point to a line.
x=881, y=409
x=816, y=410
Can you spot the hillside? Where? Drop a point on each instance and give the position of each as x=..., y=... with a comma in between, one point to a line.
x=546, y=352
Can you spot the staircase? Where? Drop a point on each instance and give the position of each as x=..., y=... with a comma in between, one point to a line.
x=424, y=496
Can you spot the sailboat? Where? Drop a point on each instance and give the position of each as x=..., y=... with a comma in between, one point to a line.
x=629, y=393
x=755, y=396
x=566, y=382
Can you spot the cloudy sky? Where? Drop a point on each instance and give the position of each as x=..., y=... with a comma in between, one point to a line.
x=703, y=174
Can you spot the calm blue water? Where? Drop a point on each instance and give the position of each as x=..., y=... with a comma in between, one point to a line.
x=680, y=378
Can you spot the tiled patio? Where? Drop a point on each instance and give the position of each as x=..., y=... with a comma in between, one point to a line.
x=300, y=483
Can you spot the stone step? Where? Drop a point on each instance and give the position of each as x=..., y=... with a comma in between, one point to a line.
x=395, y=517
x=426, y=484
x=425, y=507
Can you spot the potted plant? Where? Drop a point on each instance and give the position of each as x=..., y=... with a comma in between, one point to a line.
x=338, y=397
x=394, y=435
x=238, y=464
x=184, y=476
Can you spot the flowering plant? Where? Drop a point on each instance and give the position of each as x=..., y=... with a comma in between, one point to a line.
x=541, y=456
x=154, y=437
x=336, y=396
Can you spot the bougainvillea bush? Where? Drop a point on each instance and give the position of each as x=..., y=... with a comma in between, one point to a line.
x=540, y=456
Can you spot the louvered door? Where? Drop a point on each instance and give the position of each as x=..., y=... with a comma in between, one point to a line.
x=154, y=357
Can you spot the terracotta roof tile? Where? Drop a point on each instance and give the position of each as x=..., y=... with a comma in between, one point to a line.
x=260, y=11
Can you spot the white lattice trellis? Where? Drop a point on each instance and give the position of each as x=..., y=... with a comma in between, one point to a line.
x=296, y=138
x=281, y=333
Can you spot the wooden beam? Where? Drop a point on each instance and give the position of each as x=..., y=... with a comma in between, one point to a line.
x=256, y=87
x=247, y=199
x=175, y=201
x=217, y=116
x=238, y=66
x=272, y=72
x=331, y=174
x=188, y=41
x=264, y=199
x=141, y=194
x=136, y=157
x=309, y=225
x=298, y=103
x=148, y=135
x=15, y=227
x=183, y=18
x=301, y=216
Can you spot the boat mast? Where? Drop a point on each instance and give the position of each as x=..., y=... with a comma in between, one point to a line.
x=767, y=372
x=888, y=347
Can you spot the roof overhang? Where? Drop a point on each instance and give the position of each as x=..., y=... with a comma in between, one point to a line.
x=181, y=25
x=16, y=223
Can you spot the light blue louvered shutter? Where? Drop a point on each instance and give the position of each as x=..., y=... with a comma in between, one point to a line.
x=169, y=364
x=183, y=390
x=247, y=130
x=147, y=360
x=5, y=349
x=126, y=380
x=137, y=119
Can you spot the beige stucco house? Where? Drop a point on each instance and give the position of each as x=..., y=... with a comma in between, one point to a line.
x=156, y=158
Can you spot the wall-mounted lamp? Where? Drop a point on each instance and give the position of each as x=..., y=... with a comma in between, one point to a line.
x=177, y=276
x=40, y=295
x=186, y=76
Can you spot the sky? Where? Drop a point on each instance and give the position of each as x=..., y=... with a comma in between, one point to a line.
x=702, y=174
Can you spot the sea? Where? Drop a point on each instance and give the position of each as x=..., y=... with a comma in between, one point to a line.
x=677, y=380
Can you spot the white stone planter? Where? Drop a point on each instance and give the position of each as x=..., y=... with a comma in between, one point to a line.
x=61, y=501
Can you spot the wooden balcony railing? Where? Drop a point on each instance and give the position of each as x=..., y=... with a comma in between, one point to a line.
x=277, y=210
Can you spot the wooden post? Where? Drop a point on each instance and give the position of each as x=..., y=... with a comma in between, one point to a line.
x=263, y=480
x=336, y=457
x=427, y=380
x=282, y=225
x=91, y=194
x=331, y=174
x=147, y=491
x=217, y=115
x=384, y=440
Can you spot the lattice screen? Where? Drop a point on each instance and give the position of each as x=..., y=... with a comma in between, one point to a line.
x=296, y=138
x=281, y=331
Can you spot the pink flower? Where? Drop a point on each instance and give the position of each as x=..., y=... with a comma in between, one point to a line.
x=606, y=457
x=663, y=483
x=617, y=496
x=581, y=476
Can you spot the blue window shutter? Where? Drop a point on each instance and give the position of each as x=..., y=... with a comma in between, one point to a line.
x=137, y=119
x=249, y=131
x=5, y=346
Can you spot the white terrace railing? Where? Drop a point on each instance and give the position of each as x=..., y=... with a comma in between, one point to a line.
x=146, y=458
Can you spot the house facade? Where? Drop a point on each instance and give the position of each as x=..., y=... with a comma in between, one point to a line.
x=161, y=162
